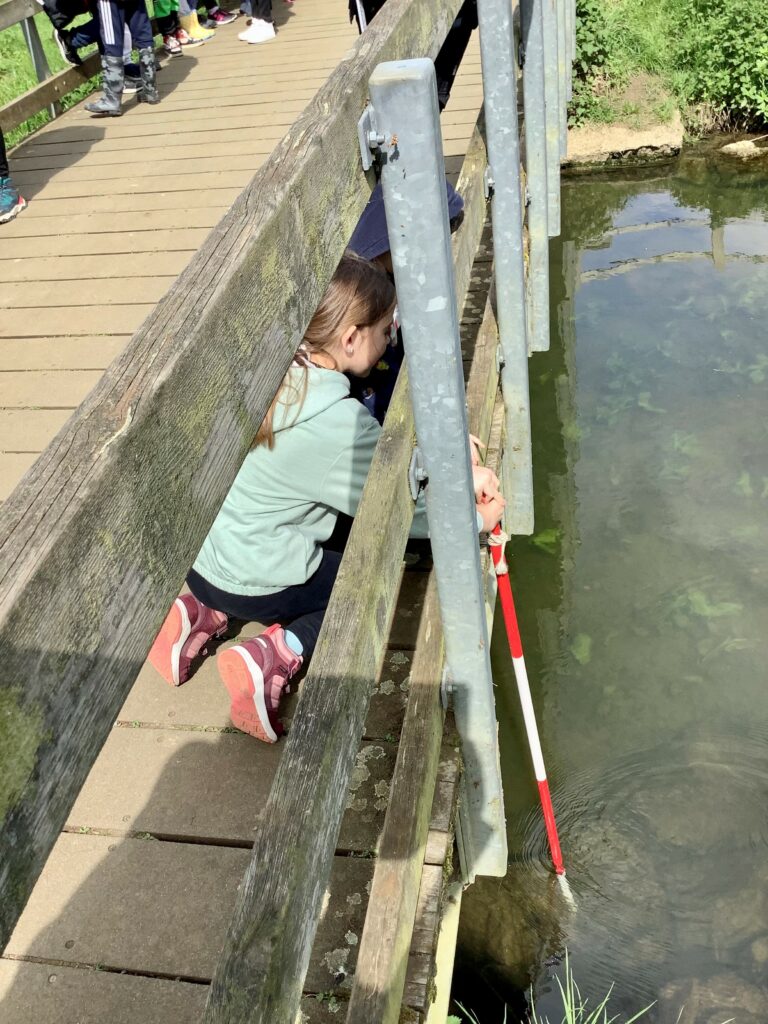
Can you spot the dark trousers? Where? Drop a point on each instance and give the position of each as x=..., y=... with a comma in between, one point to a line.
x=448, y=59
x=85, y=35
x=262, y=9
x=114, y=15
x=4, y=172
x=300, y=609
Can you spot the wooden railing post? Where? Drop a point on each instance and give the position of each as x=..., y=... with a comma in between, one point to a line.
x=39, y=60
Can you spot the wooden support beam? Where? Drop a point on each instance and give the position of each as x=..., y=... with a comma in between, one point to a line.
x=99, y=534
x=377, y=989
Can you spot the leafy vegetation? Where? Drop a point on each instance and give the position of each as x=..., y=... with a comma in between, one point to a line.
x=709, y=57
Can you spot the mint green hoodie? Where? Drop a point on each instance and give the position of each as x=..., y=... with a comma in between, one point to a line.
x=284, y=502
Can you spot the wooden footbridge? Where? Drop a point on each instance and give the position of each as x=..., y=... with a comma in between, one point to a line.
x=155, y=864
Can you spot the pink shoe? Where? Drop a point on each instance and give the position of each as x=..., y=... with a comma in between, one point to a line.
x=255, y=674
x=188, y=627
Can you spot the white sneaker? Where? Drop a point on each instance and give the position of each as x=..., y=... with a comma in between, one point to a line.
x=259, y=32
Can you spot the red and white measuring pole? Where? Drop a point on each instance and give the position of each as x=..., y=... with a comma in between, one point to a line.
x=496, y=543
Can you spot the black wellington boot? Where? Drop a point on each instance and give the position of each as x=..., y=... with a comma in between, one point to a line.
x=112, y=82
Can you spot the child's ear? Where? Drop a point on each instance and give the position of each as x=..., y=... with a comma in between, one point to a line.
x=349, y=339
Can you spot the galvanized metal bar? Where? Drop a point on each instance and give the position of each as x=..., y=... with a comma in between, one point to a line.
x=568, y=49
x=549, y=25
x=404, y=99
x=561, y=64
x=501, y=124
x=39, y=60
x=532, y=56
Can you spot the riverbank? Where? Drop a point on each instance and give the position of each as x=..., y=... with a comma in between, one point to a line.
x=639, y=64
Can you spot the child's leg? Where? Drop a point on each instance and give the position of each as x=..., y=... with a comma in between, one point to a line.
x=262, y=9
x=255, y=672
x=138, y=25
x=85, y=35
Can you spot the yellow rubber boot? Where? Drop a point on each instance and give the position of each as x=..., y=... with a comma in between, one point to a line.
x=193, y=28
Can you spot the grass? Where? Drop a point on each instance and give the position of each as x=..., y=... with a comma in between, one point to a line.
x=706, y=58
x=575, y=1009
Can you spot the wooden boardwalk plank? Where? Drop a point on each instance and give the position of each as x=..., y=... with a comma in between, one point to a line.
x=50, y=389
x=57, y=353
x=49, y=994
x=33, y=993
x=93, y=268
x=71, y=294
x=163, y=908
x=28, y=430
x=112, y=242
x=206, y=785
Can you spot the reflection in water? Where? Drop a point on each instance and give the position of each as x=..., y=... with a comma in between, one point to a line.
x=642, y=601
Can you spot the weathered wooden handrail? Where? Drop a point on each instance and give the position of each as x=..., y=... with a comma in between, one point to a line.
x=261, y=974
x=53, y=89
x=14, y=11
x=124, y=495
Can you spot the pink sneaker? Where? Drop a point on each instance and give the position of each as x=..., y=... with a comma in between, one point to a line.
x=255, y=674
x=188, y=627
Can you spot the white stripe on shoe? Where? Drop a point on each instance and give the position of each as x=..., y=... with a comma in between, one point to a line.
x=186, y=629
x=257, y=678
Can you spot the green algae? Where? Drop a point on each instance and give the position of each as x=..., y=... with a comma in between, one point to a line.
x=21, y=733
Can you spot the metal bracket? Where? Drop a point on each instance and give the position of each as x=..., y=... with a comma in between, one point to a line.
x=446, y=689
x=527, y=197
x=369, y=138
x=488, y=183
x=417, y=474
x=499, y=358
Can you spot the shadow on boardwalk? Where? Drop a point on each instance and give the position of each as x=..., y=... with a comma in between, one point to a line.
x=48, y=154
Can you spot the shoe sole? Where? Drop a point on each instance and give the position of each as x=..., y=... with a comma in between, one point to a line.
x=245, y=685
x=21, y=205
x=63, y=51
x=165, y=656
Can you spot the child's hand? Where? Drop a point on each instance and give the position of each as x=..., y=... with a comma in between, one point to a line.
x=485, y=484
x=475, y=444
x=491, y=512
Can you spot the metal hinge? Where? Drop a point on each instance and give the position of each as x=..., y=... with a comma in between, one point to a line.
x=369, y=137
x=446, y=689
x=417, y=474
x=488, y=182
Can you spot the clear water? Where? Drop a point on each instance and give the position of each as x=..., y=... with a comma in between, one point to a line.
x=644, y=613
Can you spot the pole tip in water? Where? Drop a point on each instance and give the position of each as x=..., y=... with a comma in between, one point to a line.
x=566, y=890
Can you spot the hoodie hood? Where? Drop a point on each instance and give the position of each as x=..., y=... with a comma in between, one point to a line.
x=308, y=392
x=370, y=238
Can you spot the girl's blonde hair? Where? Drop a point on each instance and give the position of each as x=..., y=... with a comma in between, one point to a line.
x=359, y=294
